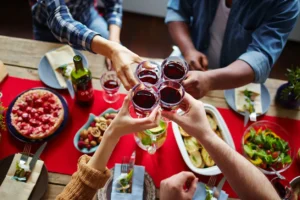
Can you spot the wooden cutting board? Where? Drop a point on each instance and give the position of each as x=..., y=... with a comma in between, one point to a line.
x=3, y=71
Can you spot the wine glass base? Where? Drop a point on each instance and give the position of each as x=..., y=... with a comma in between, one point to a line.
x=111, y=98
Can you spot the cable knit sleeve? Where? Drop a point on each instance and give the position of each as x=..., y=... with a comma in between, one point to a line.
x=85, y=182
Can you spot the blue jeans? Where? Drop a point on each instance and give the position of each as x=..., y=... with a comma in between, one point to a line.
x=96, y=23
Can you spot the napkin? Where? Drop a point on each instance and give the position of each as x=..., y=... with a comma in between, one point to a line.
x=58, y=57
x=137, y=184
x=240, y=97
x=200, y=193
x=12, y=189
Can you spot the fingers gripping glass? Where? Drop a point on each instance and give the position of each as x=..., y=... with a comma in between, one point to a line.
x=149, y=73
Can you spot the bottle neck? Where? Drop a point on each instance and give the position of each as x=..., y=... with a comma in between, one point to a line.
x=78, y=63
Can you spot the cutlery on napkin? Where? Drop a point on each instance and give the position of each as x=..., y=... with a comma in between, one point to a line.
x=16, y=190
x=137, y=184
x=201, y=193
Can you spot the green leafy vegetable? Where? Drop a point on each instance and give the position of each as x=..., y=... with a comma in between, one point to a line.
x=249, y=151
x=208, y=193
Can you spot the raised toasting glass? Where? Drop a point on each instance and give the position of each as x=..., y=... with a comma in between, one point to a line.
x=171, y=95
x=144, y=100
x=110, y=84
x=149, y=73
x=174, y=68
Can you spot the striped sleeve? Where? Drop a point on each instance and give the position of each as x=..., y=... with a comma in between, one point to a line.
x=113, y=11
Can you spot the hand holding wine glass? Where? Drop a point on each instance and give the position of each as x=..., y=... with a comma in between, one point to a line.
x=194, y=120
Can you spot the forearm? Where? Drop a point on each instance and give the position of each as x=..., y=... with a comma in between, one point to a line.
x=247, y=181
x=103, y=46
x=237, y=74
x=180, y=34
x=114, y=33
x=101, y=156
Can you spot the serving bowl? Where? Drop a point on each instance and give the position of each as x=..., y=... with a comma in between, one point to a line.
x=209, y=171
x=86, y=126
x=279, y=131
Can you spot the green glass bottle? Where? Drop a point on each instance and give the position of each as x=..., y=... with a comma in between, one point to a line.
x=82, y=82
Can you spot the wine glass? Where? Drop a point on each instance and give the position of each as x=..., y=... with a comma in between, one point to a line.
x=149, y=72
x=144, y=99
x=110, y=84
x=174, y=68
x=171, y=95
x=282, y=187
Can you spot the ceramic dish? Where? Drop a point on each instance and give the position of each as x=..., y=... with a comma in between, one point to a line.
x=149, y=188
x=265, y=99
x=209, y=171
x=20, y=137
x=46, y=72
x=86, y=126
x=278, y=130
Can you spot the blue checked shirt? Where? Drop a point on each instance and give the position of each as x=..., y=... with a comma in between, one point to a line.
x=65, y=19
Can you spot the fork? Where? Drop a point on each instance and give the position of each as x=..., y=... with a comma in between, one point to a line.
x=25, y=154
x=212, y=181
x=124, y=166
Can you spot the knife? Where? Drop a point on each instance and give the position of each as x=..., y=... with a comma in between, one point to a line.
x=246, y=118
x=36, y=156
x=132, y=160
x=217, y=191
x=70, y=87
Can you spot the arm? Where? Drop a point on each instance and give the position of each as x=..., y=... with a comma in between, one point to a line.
x=243, y=177
x=113, y=15
x=178, y=20
x=92, y=173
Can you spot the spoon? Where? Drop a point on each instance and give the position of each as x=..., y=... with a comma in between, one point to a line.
x=278, y=174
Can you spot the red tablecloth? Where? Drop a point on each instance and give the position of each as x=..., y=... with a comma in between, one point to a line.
x=61, y=156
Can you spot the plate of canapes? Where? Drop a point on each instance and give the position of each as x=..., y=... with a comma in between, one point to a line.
x=89, y=136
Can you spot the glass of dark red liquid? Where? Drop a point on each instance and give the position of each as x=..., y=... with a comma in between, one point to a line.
x=171, y=95
x=110, y=84
x=282, y=187
x=174, y=68
x=149, y=73
x=144, y=99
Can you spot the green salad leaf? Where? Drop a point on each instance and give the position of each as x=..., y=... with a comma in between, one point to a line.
x=249, y=150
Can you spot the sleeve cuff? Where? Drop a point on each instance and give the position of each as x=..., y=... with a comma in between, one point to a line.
x=259, y=63
x=173, y=16
x=87, y=40
x=116, y=21
x=91, y=177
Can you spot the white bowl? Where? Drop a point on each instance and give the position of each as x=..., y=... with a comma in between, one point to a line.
x=210, y=171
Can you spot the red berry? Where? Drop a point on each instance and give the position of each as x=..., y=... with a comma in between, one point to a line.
x=51, y=100
x=40, y=110
x=38, y=102
x=19, y=112
x=93, y=124
x=90, y=137
x=15, y=109
x=81, y=144
x=55, y=114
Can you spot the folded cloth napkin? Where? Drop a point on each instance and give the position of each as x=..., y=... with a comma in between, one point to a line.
x=12, y=189
x=137, y=184
x=61, y=56
x=200, y=193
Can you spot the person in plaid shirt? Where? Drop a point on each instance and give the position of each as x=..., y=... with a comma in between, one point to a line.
x=78, y=23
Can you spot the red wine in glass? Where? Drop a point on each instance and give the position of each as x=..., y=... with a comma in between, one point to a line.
x=282, y=187
x=174, y=71
x=111, y=84
x=148, y=76
x=171, y=95
x=144, y=99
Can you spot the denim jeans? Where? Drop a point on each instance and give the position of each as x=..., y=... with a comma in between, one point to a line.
x=96, y=23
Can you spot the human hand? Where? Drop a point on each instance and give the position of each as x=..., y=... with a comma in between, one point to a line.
x=122, y=59
x=123, y=123
x=194, y=121
x=196, y=60
x=173, y=187
x=196, y=84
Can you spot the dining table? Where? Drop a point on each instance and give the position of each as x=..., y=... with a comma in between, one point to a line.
x=22, y=56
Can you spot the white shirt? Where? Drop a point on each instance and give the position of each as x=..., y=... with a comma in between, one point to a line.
x=217, y=31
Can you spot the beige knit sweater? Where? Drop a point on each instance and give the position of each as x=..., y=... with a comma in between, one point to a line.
x=85, y=182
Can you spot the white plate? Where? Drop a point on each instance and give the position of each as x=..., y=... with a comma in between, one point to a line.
x=210, y=171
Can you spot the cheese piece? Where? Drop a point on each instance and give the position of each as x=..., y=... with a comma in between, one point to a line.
x=240, y=97
x=61, y=56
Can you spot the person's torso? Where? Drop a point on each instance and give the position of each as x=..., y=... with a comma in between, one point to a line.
x=79, y=9
x=216, y=32
x=244, y=18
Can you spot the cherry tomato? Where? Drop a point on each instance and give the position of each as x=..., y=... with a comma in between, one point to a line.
x=260, y=145
x=275, y=154
x=268, y=152
x=263, y=165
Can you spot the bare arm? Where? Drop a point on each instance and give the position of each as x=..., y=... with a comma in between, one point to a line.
x=180, y=34
x=114, y=33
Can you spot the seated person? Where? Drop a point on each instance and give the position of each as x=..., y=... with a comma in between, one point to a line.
x=240, y=39
x=92, y=172
x=79, y=24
